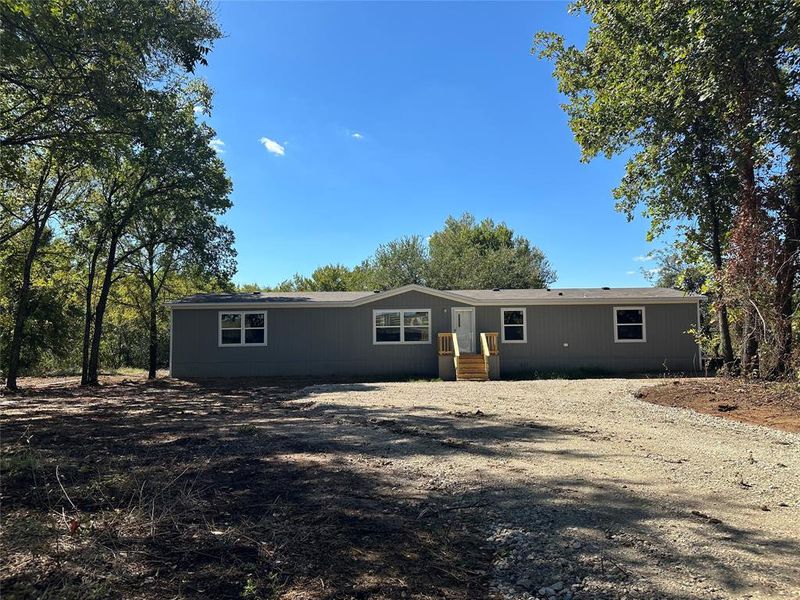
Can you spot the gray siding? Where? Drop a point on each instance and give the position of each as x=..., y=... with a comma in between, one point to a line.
x=309, y=342
x=335, y=341
x=589, y=332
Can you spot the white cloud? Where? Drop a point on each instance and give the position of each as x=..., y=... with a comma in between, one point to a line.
x=654, y=271
x=272, y=146
x=356, y=136
x=630, y=272
x=218, y=145
x=643, y=258
x=199, y=109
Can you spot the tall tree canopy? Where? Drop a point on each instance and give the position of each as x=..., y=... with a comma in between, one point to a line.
x=464, y=254
x=105, y=172
x=704, y=96
x=75, y=70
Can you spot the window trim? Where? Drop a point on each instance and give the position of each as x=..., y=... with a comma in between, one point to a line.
x=402, y=341
x=242, y=343
x=644, y=325
x=503, y=312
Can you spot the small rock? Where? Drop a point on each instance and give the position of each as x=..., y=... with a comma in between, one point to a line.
x=557, y=586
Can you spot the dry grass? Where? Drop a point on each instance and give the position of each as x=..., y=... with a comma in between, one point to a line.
x=177, y=490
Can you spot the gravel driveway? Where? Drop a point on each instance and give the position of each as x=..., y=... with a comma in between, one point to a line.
x=580, y=489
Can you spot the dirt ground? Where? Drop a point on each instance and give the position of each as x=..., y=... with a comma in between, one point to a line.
x=774, y=404
x=255, y=489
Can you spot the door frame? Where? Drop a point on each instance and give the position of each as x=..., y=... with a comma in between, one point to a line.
x=471, y=310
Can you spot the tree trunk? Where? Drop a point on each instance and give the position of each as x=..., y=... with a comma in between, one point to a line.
x=22, y=309
x=750, y=240
x=722, y=309
x=151, y=372
x=786, y=276
x=89, y=313
x=93, y=366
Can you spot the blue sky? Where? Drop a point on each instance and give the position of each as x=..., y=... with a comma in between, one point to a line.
x=346, y=125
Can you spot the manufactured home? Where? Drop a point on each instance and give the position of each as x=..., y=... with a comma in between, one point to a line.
x=415, y=331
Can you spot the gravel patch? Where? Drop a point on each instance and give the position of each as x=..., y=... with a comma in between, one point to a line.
x=583, y=491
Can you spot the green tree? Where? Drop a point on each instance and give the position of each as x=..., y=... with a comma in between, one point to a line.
x=396, y=263
x=704, y=94
x=76, y=71
x=80, y=85
x=176, y=236
x=463, y=254
x=43, y=188
x=466, y=254
x=48, y=333
x=176, y=164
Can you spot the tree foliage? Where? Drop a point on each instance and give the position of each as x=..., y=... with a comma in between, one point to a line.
x=107, y=173
x=76, y=71
x=464, y=254
x=704, y=98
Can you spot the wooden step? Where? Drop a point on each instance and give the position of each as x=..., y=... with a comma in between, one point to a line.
x=471, y=367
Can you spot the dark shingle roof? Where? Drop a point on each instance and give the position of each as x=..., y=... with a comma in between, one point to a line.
x=645, y=293
x=477, y=296
x=261, y=297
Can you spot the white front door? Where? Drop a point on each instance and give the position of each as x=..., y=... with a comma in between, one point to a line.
x=463, y=320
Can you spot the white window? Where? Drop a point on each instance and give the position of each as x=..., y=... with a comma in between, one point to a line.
x=401, y=326
x=513, y=329
x=629, y=324
x=242, y=328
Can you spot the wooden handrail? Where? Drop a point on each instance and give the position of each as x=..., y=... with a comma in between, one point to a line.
x=456, y=350
x=491, y=342
x=484, y=345
x=445, y=344
x=485, y=351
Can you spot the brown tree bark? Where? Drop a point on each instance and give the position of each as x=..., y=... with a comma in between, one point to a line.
x=152, y=314
x=153, y=317
x=722, y=309
x=91, y=376
x=114, y=233
x=88, y=312
x=748, y=248
x=23, y=304
x=41, y=216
